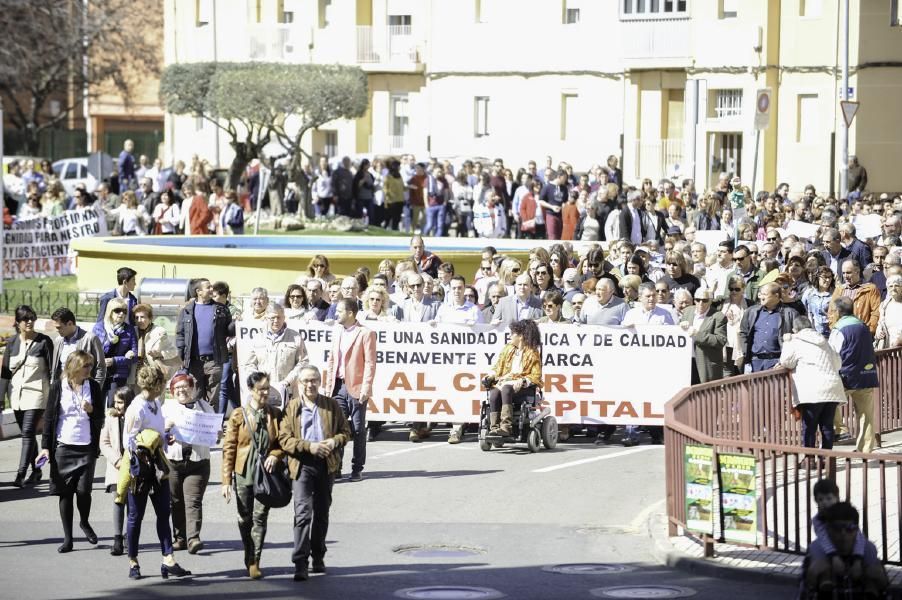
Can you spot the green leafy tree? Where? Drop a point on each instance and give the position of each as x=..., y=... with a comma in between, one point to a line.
x=257, y=103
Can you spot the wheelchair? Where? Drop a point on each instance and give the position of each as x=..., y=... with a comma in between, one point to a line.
x=533, y=424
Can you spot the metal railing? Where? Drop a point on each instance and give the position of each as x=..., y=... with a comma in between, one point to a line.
x=658, y=159
x=750, y=414
x=83, y=304
x=392, y=44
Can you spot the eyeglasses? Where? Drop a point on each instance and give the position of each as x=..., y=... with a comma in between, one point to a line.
x=515, y=270
x=701, y=300
x=347, y=288
x=772, y=239
x=415, y=285
x=555, y=259
x=542, y=272
x=487, y=269
x=296, y=296
x=117, y=311
x=547, y=306
x=181, y=388
x=735, y=289
x=31, y=319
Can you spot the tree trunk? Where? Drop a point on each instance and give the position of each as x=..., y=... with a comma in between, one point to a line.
x=244, y=154
x=302, y=183
x=32, y=143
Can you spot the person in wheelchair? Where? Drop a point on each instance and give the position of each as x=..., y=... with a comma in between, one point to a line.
x=518, y=371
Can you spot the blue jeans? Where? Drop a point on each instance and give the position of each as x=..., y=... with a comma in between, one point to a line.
x=435, y=220
x=227, y=389
x=136, y=507
x=818, y=415
x=355, y=413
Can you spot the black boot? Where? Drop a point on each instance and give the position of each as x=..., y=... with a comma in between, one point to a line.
x=117, y=549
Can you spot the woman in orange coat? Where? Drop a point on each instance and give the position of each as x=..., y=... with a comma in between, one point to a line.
x=517, y=371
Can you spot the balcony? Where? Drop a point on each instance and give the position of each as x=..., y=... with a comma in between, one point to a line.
x=276, y=43
x=650, y=43
x=658, y=159
x=387, y=48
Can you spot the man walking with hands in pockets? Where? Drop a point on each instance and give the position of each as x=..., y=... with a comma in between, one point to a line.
x=351, y=370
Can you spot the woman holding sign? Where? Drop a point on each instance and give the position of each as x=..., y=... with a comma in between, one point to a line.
x=190, y=464
x=518, y=371
x=252, y=436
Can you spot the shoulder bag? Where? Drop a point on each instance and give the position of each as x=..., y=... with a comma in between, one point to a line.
x=270, y=489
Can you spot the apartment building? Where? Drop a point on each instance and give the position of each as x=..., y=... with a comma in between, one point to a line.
x=668, y=86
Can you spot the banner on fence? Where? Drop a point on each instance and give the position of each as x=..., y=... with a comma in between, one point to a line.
x=738, y=498
x=193, y=426
x=432, y=373
x=699, y=469
x=39, y=246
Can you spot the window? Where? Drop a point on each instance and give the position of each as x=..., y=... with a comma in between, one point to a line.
x=571, y=12
x=202, y=12
x=727, y=103
x=569, y=116
x=398, y=115
x=481, y=106
x=330, y=148
x=729, y=9
x=399, y=20
x=282, y=15
x=323, y=13
x=482, y=10
x=807, y=127
x=71, y=171
x=895, y=13
x=654, y=9
x=810, y=8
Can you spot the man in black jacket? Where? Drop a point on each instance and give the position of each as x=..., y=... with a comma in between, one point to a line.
x=202, y=336
x=632, y=219
x=762, y=329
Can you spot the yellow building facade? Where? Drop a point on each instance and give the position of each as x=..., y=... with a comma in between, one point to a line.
x=667, y=86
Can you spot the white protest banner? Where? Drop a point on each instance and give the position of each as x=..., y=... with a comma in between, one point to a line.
x=591, y=374
x=802, y=229
x=867, y=226
x=193, y=426
x=39, y=246
x=711, y=239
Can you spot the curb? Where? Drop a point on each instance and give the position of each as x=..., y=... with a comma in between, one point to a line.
x=666, y=554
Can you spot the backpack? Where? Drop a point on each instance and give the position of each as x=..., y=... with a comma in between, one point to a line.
x=143, y=471
x=237, y=220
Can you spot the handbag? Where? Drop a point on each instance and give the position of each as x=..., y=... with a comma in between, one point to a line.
x=270, y=489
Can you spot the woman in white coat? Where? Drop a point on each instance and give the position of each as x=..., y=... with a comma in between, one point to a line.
x=155, y=347
x=816, y=386
x=112, y=447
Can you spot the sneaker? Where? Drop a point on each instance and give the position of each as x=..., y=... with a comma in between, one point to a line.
x=356, y=476
x=454, y=437
x=179, y=545
x=195, y=546
x=414, y=437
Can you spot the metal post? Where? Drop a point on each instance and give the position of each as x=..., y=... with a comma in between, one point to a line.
x=3, y=199
x=89, y=129
x=844, y=130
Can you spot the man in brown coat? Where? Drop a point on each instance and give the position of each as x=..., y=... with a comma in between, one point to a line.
x=865, y=297
x=312, y=432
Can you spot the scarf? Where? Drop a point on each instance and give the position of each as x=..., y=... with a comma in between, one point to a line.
x=141, y=335
x=113, y=332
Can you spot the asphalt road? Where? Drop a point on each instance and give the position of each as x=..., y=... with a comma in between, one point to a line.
x=465, y=518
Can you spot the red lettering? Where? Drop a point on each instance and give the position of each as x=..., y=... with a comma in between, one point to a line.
x=563, y=406
x=420, y=404
x=582, y=384
x=441, y=406
x=626, y=408
x=391, y=405
x=647, y=412
x=399, y=380
x=421, y=383
x=555, y=382
x=603, y=406
x=460, y=385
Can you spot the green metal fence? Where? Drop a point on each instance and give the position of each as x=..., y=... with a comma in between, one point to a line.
x=84, y=305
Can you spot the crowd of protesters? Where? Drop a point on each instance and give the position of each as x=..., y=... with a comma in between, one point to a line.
x=617, y=255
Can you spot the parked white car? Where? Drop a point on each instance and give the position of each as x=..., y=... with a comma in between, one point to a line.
x=73, y=171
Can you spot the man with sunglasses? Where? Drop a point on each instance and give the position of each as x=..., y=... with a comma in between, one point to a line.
x=486, y=279
x=745, y=267
x=708, y=329
x=720, y=272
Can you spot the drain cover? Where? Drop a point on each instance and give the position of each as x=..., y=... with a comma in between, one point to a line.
x=643, y=591
x=588, y=569
x=449, y=592
x=438, y=551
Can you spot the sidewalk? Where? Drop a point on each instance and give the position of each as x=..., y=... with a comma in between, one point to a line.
x=744, y=563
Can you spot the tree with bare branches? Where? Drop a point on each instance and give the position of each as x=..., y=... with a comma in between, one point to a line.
x=65, y=50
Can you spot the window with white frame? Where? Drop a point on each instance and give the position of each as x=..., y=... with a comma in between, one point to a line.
x=569, y=116
x=727, y=103
x=570, y=12
x=729, y=9
x=810, y=8
x=807, y=126
x=330, y=148
x=481, y=118
x=653, y=9
x=399, y=116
